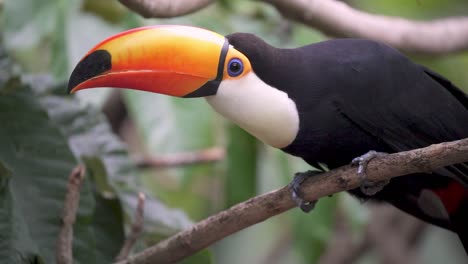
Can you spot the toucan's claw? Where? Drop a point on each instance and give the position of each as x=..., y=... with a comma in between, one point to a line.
x=297, y=194
x=368, y=187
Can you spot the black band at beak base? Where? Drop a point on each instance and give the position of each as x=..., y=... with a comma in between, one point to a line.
x=211, y=87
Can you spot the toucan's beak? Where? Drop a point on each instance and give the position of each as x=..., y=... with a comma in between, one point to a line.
x=174, y=60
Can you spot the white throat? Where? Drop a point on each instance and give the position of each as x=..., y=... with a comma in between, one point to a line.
x=263, y=111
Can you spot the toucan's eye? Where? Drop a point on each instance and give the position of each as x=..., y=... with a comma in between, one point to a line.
x=235, y=67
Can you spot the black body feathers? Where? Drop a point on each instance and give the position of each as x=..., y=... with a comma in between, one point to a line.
x=358, y=95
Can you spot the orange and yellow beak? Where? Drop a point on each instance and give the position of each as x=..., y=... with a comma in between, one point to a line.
x=174, y=60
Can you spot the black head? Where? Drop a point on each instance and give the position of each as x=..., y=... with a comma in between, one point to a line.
x=262, y=56
x=282, y=69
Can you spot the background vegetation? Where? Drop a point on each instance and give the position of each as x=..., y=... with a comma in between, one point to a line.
x=44, y=133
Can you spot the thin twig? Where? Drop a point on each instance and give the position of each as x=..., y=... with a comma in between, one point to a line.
x=262, y=207
x=338, y=19
x=64, y=254
x=182, y=159
x=135, y=231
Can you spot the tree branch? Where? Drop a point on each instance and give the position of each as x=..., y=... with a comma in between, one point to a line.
x=182, y=159
x=340, y=20
x=64, y=254
x=165, y=8
x=135, y=230
x=262, y=207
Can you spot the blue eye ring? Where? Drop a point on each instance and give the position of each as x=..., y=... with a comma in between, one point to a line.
x=235, y=67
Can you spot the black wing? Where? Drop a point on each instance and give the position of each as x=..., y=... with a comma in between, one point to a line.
x=412, y=107
x=408, y=106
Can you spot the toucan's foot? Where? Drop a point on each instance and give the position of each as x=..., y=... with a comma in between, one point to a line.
x=363, y=160
x=370, y=188
x=297, y=194
x=367, y=187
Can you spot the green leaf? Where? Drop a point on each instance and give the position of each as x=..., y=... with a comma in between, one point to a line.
x=15, y=241
x=108, y=219
x=39, y=159
x=113, y=174
x=35, y=161
x=106, y=159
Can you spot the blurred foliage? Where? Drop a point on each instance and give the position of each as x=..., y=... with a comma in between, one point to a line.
x=50, y=36
x=39, y=160
x=415, y=9
x=242, y=166
x=109, y=10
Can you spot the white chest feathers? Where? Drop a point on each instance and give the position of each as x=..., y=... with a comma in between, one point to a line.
x=263, y=111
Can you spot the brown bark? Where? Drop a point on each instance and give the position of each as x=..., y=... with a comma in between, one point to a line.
x=262, y=207
x=135, y=230
x=165, y=8
x=338, y=19
x=64, y=254
x=182, y=159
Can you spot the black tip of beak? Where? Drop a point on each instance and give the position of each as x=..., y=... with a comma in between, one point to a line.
x=92, y=65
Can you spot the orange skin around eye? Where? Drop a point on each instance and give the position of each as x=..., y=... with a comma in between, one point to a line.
x=233, y=53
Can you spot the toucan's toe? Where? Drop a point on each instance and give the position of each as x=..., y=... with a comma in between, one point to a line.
x=297, y=195
x=367, y=187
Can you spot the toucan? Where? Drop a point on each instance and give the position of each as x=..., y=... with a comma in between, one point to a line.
x=327, y=102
